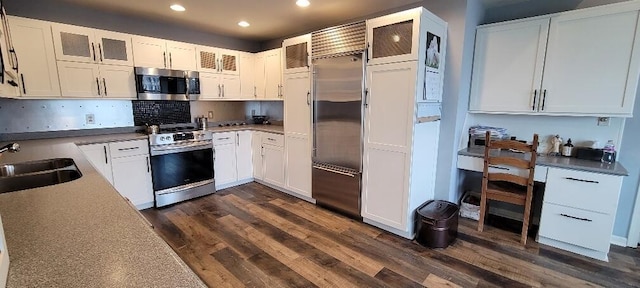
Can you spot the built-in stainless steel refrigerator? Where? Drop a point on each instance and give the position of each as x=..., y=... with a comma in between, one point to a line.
x=338, y=83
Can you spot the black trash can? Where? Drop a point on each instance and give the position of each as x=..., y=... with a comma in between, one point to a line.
x=437, y=225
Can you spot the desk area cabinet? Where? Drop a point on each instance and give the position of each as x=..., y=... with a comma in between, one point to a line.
x=579, y=202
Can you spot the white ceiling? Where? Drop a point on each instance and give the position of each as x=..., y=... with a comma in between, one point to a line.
x=269, y=19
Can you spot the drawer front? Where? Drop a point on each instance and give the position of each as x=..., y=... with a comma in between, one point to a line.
x=224, y=138
x=583, y=190
x=129, y=148
x=477, y=164
x=273, y=139
x=578, y=227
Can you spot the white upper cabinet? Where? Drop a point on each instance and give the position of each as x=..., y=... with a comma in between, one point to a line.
x=591, y=65
x=114, y=48
x=81, y=44
x=181, y=56
x=79, y=80
x=583, y=62
x=247, y=75
x=160, y=53
x=394, y=37
x=219, y=86
x=259, y=75
x=216, y=60
x=149, y=52
x=117, y=82
x=273, y=74
x=36, y=57
x=507, y=68
x=296, y=53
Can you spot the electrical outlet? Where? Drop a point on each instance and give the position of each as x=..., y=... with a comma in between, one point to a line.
x=603, y=121
x=91, y=119
x=210, y=114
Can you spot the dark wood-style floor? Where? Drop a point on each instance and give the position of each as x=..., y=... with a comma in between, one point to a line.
x=255, y=236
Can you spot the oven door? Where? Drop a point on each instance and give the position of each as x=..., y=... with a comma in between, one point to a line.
x=173, y=167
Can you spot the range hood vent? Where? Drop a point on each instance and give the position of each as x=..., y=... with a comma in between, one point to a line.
x=343, y=39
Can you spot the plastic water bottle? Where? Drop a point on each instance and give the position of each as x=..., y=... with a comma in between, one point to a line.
x=609, y=152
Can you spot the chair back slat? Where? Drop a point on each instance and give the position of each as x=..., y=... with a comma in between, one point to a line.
x=509, y=144
x=510, y=161
x=515, y=179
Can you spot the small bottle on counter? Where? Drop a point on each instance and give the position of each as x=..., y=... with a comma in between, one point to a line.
x=567, y=149
x=609, y=152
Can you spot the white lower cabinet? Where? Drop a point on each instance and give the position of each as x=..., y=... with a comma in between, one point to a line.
x=233, y=157
x=273, y=165
x=256, y=147
x=126, y=166
x=244, y=155
x=100, y=158
x=132, y=178
x=579, y=210
x=298, y=172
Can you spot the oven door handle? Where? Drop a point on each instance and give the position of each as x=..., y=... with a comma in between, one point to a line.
x=176, y=149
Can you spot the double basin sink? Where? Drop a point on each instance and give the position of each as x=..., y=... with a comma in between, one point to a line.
x=34, y=174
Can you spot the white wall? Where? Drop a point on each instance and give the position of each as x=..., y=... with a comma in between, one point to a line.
x=462, y=17
x=579, y=129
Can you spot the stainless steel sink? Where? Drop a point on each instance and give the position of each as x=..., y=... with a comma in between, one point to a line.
x=34, y=174
x=35, y=166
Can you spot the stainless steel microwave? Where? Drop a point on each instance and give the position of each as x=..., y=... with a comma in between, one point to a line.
x=165, y=84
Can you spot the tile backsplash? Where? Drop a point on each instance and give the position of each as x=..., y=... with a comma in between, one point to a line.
x=161, y=112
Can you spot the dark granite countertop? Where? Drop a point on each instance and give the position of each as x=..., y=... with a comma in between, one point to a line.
x=558, y=162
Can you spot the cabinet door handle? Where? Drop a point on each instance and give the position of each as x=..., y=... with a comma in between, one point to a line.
x=271, y=139
x=581, y=180
x=535, y=95
x=164, y=56
x=219, y=91
x=106, y=159
x=309, y=98
x=104, y=83
x=222, y=90
x=577, y=218
x=93, y=48
x=237, y=138
x=148, y=169
x=15, y=57
x=255, y=92
x=100, y=49
x=262, y=151
x=225, y=138
x=129, y=148
x=544, y=98
x=98, y=85
x=366, y=98
x=170, y=61
x=24, y=86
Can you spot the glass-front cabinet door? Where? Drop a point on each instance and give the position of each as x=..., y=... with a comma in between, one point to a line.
x=114, y=48
x=296, y=53
x=394, y=38
x=74, y=43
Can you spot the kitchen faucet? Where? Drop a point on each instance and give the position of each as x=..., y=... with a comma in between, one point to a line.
x=11, y=147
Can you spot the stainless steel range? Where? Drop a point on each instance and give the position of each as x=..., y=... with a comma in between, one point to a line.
x=181, y=164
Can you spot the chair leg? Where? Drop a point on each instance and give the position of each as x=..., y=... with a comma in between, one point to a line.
x=483, y=208
x=525, y=219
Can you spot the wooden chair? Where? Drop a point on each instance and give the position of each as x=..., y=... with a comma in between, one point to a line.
x=509, y=188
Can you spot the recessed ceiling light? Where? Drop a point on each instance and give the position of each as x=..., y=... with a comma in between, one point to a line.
x=244, y=24
x=177, y=7
x=303, y=3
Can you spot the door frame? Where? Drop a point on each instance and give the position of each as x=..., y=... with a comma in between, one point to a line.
x=634, y=227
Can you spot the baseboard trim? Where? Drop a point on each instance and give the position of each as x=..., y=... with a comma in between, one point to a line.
x=618, y=240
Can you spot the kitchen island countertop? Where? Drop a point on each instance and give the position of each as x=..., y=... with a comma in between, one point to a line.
x=558, y=162
x=83, y=233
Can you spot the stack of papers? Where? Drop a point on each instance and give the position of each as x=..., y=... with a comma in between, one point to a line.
x=496, y=132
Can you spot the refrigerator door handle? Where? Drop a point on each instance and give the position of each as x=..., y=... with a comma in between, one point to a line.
x=322, y=167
